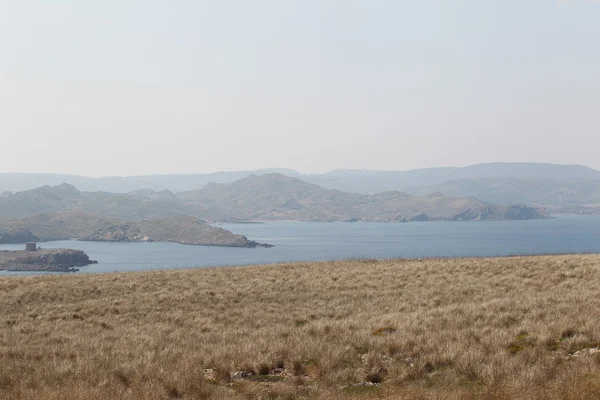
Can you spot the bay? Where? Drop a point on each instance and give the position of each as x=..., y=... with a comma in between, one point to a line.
x=315, y=241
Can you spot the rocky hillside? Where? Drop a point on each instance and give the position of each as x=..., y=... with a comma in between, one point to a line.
x=61, y=260
x=268, y=197
x=130, y=206
x=90, y=227
x=278, y=197
x=178, y=229
x=558, y=195
x=560, y=188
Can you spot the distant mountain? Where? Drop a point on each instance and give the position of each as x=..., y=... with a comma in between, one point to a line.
x=559, y=188
x=129, y=206
x=259, y=197
x=278, y=197
x=370, y=182
x=116, y=184
x=554, y=194
x=354, y=181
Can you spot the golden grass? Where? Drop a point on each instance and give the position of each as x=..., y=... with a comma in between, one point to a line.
x=501, y=328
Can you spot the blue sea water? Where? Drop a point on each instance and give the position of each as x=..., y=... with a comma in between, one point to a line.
x=297, y=241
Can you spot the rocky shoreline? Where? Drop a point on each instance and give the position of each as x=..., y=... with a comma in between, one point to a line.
x=51, y=260
x=75, y=225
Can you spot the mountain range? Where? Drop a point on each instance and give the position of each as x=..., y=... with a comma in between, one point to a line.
x=268, y=197
x=559, y=188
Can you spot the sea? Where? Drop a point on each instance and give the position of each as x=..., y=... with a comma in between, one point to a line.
x=316, y=241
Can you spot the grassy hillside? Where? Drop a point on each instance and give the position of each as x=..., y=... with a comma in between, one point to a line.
x=506, y=328
x=65, y=225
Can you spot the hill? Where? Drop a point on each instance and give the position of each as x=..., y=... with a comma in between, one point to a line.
x=129, y=206
x=554, y=194
x=502, y=328
x=11, y=182
x=366, y=181
x=269, y=197
x=90, y=227
x=560, y=188
x=354, y=181
x=278, y=197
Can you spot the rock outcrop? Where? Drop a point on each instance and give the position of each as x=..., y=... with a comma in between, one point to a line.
x=59, y=260
x=523, y=212
x=82, y=226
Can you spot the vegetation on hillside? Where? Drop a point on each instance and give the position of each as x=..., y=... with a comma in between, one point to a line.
x=557, y=195
x=504, y=328
x=265, y=197
x=91, y=227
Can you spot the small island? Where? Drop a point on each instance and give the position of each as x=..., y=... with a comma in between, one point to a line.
x=50, y=260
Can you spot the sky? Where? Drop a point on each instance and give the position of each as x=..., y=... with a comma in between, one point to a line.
x=138, y=87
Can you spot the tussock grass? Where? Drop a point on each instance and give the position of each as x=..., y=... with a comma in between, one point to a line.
x=504, y=328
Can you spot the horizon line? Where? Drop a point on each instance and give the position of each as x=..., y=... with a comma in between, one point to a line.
x=276, y=170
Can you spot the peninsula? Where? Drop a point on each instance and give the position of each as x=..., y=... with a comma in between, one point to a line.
x=57, y=260
x=78, y=225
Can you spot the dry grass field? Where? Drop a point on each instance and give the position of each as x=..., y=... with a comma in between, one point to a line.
x=504, y=328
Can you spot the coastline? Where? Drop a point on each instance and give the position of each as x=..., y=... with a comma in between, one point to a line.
x=325, y=241
x=44, y=260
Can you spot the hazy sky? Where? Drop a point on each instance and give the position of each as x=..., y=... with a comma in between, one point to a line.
x=117, y=87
